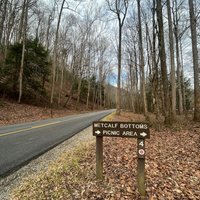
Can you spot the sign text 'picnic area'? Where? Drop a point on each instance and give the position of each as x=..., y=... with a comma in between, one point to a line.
x=121, y=129
x=138, y=130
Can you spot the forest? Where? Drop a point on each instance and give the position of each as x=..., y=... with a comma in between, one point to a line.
x=137, y=55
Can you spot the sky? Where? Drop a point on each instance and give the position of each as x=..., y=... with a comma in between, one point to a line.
x=112, y=33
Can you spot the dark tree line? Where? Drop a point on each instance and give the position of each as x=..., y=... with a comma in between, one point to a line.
x=72, y=50
x=56, y=51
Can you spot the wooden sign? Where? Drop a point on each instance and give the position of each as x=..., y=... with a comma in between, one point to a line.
x=138, y=130
x=121, y=129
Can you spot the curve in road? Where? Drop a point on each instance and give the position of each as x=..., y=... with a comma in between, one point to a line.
x=21, y=143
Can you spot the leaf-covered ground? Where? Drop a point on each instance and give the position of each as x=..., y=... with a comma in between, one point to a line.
x=172, y=169
x=12, y=112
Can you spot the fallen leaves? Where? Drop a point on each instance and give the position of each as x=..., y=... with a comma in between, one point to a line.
x=172, y=170
x=12, y=113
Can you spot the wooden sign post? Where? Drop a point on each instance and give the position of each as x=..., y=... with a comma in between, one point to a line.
x=137, y=130
x=99, y=157
x=141, y=166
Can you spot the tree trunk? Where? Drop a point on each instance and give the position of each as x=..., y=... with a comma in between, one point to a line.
x=155, y=82
x=120, y=9
x=11, y=22
x=100, y=83
x=136, y=79
x=88, y=94
x=163, y=63
x=193, y=21
x=70, y=95
x=132, y=91
x=171, y=45
x=3, y=10
x=21, y=71
x=61, y=81
x=180, y=99
x=143, y=91
x=21, y=23
x=55, y=57
x=47, y=33
x=23, y=48
x=182, y=75
x=95, y=98
x=176, y=33
x=118, y=99
x=79, y=92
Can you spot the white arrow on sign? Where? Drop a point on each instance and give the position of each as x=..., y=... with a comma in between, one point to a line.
x=143, y=134
x=97, y=132
x=97, y=125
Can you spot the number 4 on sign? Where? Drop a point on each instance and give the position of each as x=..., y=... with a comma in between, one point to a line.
x=141, y=143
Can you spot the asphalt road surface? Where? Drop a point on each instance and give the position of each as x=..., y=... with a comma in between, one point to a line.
x=21, y=143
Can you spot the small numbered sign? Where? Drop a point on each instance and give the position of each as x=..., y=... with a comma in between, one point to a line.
x=141, y=148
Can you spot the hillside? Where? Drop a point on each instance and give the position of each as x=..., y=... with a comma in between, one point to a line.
x=11, y=112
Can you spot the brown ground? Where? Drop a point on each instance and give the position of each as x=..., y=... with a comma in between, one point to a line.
x=12, y=112
x=172, y=168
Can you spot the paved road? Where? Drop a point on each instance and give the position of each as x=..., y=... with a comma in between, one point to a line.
x=22, y=142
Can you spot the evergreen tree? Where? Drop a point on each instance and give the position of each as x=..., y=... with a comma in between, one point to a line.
x=36, y=69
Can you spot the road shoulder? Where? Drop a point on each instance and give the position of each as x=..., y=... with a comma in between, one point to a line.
x=42, y=163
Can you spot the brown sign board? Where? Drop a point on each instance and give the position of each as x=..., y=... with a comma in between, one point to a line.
x=121, y=129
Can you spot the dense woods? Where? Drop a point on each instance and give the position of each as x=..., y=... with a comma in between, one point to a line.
x=55, y=51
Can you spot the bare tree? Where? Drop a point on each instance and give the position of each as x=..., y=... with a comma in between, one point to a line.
x=178, y=61
x=143, y=91
x=50, y=19
x=3, y=11
x=155, y=81
x=163, y=62
x=24, y=27
x=55, y=56
x=11, y=19
x=119, y=7
x=171, y=46
x=195, y=62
